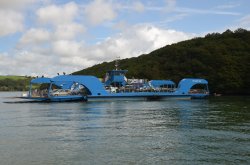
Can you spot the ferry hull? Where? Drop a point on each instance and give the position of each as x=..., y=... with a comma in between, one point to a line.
x=56, y=99
x=138, y=98
x=199, y=96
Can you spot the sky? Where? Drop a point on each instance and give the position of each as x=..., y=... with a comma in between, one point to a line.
x=46, y=37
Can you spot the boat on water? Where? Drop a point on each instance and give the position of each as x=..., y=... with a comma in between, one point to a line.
x=115, y=86
x=55, y=90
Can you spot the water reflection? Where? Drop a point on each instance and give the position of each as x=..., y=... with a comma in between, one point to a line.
x=213, y=131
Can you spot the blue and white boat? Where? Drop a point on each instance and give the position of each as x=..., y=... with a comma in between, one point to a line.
x=115, y=86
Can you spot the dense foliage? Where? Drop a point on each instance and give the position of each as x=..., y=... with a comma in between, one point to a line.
x=223, y=59
x=14, y=83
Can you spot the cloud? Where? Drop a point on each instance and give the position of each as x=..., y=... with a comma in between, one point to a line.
x=63, y=20
x=137, y=40
x=23, y=63
x=228, y=6
x=6, y=64
x=202, y=11
x=35, y=36
x=170, y=5
x=139, y=7
x=68, y=55
x=7, y=4
x=245, y=21
x=66, y=48
x=99, y=11
x=11, y=22
x=55, y=15
x=68, y=31
x=55, y=44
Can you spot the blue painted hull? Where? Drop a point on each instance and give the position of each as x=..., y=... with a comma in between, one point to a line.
x=57, y=98
x=199, y=96
x=137, y=97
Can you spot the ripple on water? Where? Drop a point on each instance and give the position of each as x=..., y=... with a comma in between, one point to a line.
x=213, y=131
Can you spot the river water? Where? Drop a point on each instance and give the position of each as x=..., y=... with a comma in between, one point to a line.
x=212, y=131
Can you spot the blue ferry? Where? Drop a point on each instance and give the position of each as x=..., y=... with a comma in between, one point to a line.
x=115, y=86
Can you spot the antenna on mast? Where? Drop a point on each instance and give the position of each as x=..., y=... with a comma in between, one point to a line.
x=117, y=62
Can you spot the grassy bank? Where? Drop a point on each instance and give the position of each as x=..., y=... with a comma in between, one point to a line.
x=14, y=83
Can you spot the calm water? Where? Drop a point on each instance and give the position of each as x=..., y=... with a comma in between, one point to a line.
x=213, y=131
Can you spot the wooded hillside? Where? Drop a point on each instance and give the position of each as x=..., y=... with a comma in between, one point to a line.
x=223, y=59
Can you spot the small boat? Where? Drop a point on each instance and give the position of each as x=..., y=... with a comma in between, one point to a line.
x=55, y=90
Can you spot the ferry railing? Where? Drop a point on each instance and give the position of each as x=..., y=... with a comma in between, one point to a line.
x=132, y=89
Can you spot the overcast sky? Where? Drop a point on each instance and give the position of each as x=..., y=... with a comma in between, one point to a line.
x=44, y=37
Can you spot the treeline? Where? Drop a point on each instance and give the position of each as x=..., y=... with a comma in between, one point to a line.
x=223, y=59
x=11, y=84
